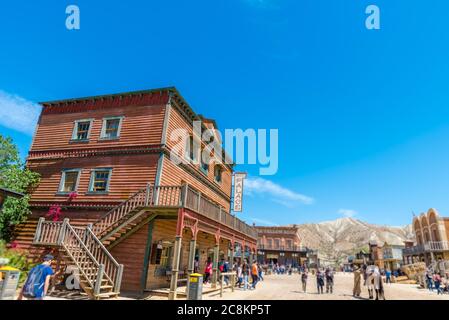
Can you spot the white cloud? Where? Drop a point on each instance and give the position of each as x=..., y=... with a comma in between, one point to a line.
x=18, y=113
x=276, y=192
x=347, y=212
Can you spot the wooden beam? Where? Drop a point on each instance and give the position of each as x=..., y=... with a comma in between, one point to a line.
x=146, y=260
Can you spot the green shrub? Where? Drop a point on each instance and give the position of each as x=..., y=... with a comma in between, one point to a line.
x=18, y=258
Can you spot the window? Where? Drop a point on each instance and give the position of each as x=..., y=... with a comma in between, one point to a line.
x=99, y=182
x=277, y=243
x=217, y=173
x=204, y=167
x=289, y=244
x=81, y=130
x=270, y=243
x=190, y=149
x=111, y=128
x=69, y=180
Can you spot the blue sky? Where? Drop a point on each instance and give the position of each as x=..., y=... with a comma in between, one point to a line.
x=363, y=115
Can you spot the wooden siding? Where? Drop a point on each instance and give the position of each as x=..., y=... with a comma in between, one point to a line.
x=131, y=253
x=130, y=173
x=142, y=125
x=177, y=121
x=173, y=174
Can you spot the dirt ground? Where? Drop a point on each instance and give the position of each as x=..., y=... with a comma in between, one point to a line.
x=285, y=287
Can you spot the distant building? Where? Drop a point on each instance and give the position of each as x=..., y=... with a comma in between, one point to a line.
x=280, y=245
x=432, y=235
x=388, y=256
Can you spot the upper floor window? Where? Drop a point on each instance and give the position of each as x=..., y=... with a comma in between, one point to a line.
x=218, y=171
x=69, y=180
x=289, y=243
x=81, y=130
x=99, y=181
x=190, y=149
x=111, y=128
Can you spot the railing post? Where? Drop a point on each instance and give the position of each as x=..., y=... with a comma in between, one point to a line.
x=184, y=192
x=219, y=215
x=147, y=195
x=199, y=202
x=37, y=235
x=88, y=228
x=118, y=280
x=100, y=273
x=62, y=231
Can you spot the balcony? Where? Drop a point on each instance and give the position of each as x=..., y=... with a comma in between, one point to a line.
x=435, y=246
x=282, y=248
x=431, y=246
x=197, y=202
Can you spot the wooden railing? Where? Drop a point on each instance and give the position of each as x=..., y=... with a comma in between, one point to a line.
x=436, y=246
x=195, y=201
x=94, y=262
x=113, y=217
x=113, y=271
x=150, y=196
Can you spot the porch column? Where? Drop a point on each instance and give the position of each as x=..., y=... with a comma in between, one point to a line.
x=191, y=267
x=215, y=266
x=231, y=257
x=175, y=269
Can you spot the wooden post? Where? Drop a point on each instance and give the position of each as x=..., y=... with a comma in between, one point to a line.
x=185, y=189
x=147, y=195
x=99, y=279
x=62, y=231
x=222, y=285
x=191, y=267
x=215, y=266
x=175, y=269
x=37, y=235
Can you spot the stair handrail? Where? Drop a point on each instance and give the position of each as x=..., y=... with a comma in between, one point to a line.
x=113, y=270
x=114, y=215
x=62, y=241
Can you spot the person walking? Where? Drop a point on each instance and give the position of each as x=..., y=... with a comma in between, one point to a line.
x=38, y=280
x=245, y=274
x=208, y=271
x=437, y=282
x=239, y=275
x=429, y=280
x=329, y=280
x=357, y=289
x=304, y=276
x=254, y=274
x=378, y=284
x=225, y=269
x=319, y=281
x=388, y=276
x=260, y=272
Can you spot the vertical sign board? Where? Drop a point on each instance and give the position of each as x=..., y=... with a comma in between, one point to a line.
x=238, y=191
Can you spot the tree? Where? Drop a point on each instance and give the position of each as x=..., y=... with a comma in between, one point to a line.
x=14, y=176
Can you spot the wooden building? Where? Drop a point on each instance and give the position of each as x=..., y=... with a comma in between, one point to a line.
x=432, y=239
x=132, y=219
x=280, y=245
x=387, y=256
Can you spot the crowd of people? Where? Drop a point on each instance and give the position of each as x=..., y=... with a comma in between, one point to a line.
x=248, y=274
x=436, y=281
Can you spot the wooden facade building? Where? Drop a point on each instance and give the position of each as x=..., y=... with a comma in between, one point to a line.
x=280, y=245
x=128, y=216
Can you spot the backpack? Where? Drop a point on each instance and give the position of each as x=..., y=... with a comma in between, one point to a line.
x=34, y=284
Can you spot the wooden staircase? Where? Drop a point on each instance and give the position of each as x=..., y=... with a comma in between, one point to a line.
x=87, y=247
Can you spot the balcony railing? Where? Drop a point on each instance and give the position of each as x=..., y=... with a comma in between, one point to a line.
x=282, y=248
x=197, y=202
x=431, y=246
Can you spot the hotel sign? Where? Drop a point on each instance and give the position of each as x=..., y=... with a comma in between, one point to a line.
x=238, y=191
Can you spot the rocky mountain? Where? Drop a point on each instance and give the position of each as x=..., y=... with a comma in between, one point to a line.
x=336, y=240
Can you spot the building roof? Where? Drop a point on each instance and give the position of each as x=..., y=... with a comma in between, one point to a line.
x=10, y=193
x=142, y=97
